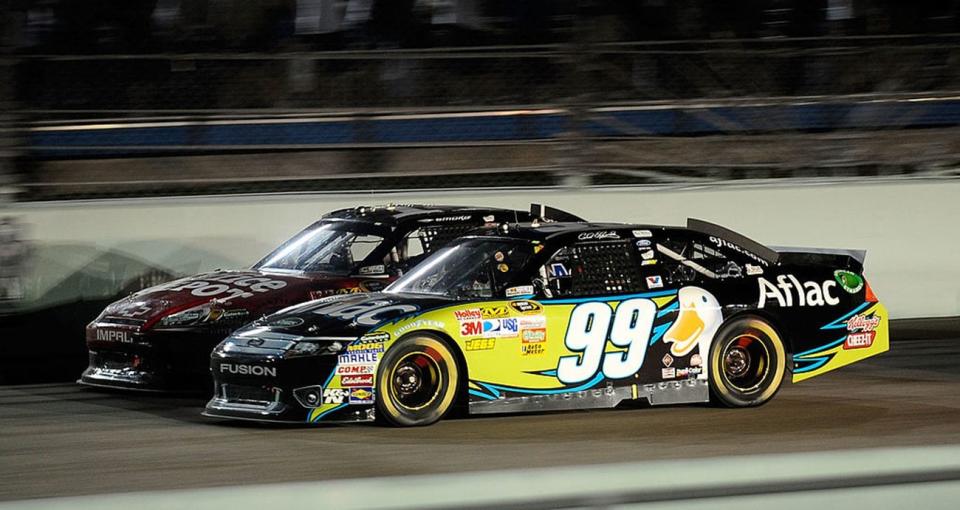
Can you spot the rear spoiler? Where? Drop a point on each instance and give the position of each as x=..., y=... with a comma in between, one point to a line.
x=766, y=254
x=547, y=213
x=858, y=255
x=851, y=259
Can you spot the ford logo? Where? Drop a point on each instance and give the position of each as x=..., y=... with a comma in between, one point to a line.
x=255, y=342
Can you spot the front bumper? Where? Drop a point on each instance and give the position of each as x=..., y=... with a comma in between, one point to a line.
x=275, y=389
x=157, y=361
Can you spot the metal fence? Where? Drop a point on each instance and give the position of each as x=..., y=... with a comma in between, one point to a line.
x=626, y=112
x=479, y=77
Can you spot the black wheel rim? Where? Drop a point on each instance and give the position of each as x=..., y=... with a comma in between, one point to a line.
x=416, y=380
x=745, y=363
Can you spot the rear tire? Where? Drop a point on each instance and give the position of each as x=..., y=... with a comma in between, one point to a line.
x=417, y=381
x=748, y=363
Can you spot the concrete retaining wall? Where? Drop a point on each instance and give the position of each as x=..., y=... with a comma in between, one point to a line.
x=907, y=227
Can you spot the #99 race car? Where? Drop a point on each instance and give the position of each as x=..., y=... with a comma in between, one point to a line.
x=538, y=317
x=160, y=338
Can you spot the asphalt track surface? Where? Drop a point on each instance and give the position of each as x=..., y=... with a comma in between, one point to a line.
x=58, y=440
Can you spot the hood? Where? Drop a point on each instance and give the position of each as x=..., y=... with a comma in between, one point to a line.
x=227, y=296
x=345, y=316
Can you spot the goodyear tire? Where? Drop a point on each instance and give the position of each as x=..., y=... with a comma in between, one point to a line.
x=417, y=381
x=747, y=363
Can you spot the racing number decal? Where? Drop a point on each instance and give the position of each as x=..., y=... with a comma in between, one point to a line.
x=587, y=333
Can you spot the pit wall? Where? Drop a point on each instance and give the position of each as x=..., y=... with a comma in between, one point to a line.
x=907, y=228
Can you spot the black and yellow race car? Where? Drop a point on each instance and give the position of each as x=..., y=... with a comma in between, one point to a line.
x=552, y=316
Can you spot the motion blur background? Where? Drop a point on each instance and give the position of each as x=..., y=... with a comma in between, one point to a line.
x=114, y=112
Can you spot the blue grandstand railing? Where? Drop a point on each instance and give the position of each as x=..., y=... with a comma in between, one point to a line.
x=506, y=126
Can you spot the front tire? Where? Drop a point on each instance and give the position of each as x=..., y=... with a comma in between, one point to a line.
x=417, y=381
x=747, y=363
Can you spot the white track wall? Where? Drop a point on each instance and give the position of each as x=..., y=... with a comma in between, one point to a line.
x=907, y=227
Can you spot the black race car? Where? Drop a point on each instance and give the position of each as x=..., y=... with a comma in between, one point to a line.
x=160, y=338
x=535, y=317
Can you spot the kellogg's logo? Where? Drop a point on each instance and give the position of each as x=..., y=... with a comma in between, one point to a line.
x=863, y=323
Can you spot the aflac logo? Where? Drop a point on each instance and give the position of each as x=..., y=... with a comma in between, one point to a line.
x=790, y=292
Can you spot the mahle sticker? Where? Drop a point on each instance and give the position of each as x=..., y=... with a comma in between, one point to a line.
x=851, y=282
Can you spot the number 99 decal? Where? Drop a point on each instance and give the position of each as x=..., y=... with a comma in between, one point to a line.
x=587, y=333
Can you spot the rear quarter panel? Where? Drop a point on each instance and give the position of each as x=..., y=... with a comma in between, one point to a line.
x=835, y=322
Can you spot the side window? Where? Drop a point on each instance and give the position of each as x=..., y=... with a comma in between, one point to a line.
x=593, y=269
x=420, y=243
x=687, y=260
x=362, y=246
x=411, y=246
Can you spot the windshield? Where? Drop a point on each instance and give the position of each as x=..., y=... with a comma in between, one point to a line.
x=328, y=247
x=469, y=269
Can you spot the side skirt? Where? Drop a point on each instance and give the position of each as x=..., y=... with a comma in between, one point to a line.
x=674, y=392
